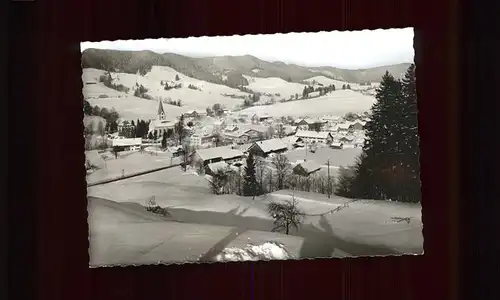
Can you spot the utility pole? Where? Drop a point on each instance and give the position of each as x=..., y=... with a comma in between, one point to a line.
x=329, y=182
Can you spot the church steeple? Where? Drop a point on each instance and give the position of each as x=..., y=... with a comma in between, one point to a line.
x=161, y=111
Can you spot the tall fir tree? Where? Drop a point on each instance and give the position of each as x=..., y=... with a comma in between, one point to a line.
x=410, y=146
x=382, y=146
x=249, y=178
x=164, y=140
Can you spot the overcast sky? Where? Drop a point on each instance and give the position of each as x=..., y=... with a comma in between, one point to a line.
x=342, y=49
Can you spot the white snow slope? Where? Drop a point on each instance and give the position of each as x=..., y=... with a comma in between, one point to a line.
x=337, y=103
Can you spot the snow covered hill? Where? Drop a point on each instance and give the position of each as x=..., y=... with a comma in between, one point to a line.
x=337, y=103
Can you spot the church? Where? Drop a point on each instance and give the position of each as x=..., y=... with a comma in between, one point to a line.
x=161, y=124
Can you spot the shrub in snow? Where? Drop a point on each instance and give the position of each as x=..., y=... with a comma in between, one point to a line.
x=151, y=206
x=266, y=251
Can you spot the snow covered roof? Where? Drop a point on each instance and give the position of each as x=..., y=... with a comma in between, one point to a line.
x=259, y=128
x=312, y=134
x=221, y=165
x=222, y=152
x=331, y=118
x=163, y=123
x=344, y=126
x=309, y=166
x=271, y=145
x=245, y=147
x=127, y=142
x=314, y=121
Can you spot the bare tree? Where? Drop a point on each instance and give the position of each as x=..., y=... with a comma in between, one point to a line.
x=219, y=181
x=261, y=169
x=100, y=128
x=283, y=168
x=286, y=215
x=280, y=130
x=186, y=156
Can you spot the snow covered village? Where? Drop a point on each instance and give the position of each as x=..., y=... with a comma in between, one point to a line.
x=224, y=158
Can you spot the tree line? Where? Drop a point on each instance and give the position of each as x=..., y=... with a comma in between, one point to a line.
x=111, y=116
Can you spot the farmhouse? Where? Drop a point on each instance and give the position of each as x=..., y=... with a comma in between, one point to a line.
x=194, y=140
x=212, y=155
x=264, y=148
x=343, y=127
x=310, y=124
x=194, y=114
x=357, y=125
x=306, y=168
x=124, y=125
x=313, y=136
x=238, y=137
x=260, y=118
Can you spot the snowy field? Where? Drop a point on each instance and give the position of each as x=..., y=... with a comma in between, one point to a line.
x=129, y=162
x=337, y=103
x=361, y=228
x=274, y=85
x=124, y=233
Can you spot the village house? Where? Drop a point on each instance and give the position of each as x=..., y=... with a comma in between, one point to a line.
x=266, y=147
x=243, y=136
x=219, y=125
x=306, y=168
x=357, y=125
x=331, y=120
x=257, y=118
x=194, y=114
x=212, y=155
x=231, y=128
x=344, y=127
x=311, y=124
x=314, y=136
x=124, y=126
x=194, y=141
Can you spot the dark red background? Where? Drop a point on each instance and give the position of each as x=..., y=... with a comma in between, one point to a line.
x=47, y=81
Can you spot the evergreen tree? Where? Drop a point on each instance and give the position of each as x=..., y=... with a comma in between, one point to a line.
x=113, y=126
x=343, y=87
x=150, y=136
x=155, y=135
x=387, y=169
x=249, y=179
x=348, y=87
x=410, y=145
x=87, y=108
x=164, y=140
x=177, y=77
x=179, y=129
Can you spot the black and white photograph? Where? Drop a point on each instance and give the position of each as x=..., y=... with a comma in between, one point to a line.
x=252, y=147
